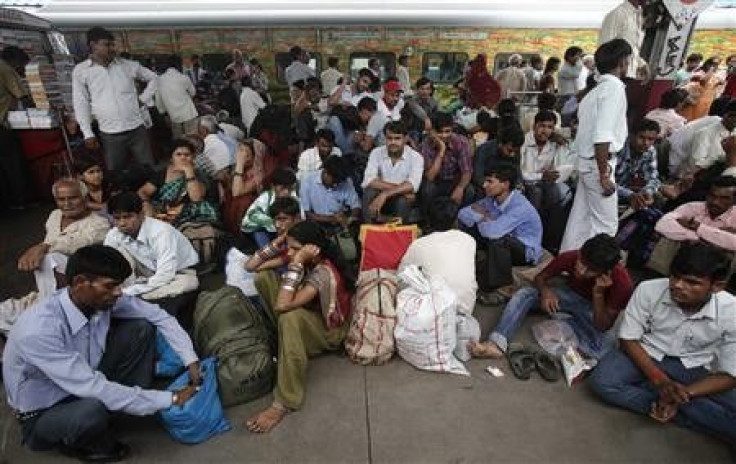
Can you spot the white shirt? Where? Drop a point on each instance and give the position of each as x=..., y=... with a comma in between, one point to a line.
x=250, y=104
x=402, y=74
x=297, y=71
x=583, y=77
x=602, y=115
x=216, y=151
x=704, y=339
x=160, y=248
x=624, y=22
x=109, y=95
x=568, y=78
x=681, y=142
x=393, y=114
x=511, y=79
x=174, y=96
x=232, y=131
x=534, y=162
x=309, y=161
x=706, y=148
x=329, y=78
x=450, y=255
x=408, y=168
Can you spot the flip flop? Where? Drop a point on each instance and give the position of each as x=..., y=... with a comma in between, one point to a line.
x=546, y=366
x=521, y=361
x=492, y=299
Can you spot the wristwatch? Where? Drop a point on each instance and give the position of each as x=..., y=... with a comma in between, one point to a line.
x=175, y=398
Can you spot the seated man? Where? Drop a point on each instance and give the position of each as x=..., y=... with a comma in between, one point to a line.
x=392, y=177
x=712, y=221
x=161, y=257
x=706, y=146
x=311, y=159
x=69, y=227
x=677, y=336
x=506, y=149
x=543, y=157
x=85, y=351
x=447, y=164
x=448, y=253
x=637, y=177
x=597, y=288
x=328, y=196
x=507, y=227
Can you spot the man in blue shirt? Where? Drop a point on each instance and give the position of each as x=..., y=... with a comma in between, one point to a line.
x=507, y=227
x=87, y=350
x=328, y=196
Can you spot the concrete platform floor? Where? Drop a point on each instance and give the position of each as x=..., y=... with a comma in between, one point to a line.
x=395, y=413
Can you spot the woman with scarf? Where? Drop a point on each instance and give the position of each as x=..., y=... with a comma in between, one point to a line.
x=312, y=302
x=177, y=195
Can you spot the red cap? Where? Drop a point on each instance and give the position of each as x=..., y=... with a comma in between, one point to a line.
x=392, y=86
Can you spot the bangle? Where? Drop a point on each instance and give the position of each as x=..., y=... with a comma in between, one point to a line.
x=656, y=376
x=237, y=174
x=190, y=179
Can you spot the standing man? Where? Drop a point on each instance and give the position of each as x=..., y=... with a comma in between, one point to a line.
x=512, y=78
x=12, y=171
x=402, y=74
x=298, y=70
x=174, y=97
x=104, y=88
x=568, y=77
x=195, y=72
x=330, y=76
x=601, y=133
x=626, y=22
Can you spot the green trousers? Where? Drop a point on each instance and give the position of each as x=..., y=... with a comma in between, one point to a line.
x=302, y=334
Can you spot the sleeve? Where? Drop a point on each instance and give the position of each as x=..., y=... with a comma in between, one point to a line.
x=634, y=321
x=564, y=262
x=82, y=102
x=670, y=228
x=504, y=224
x=715, y=236
x=569, y=72
x=526, y=174
x=334, y=125
x=416, y=109
x=371, y=169
x=468, y=217
x=191, y=90
x=144, y=74
x=621, y=290
x=257, y=216
x=417, y=171
x=130, y=307
x=91, y=232
x=166, y=264
x=352, y=199
x=726, y=354
x=70, y=372
x=609, y=104
x=651, y=173
x=304, y=189
x=465, y=161
x=159, y=102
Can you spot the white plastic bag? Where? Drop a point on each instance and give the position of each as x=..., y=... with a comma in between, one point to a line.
x=575, y=366
x=426, y=329
x=236, y=275
x=555, y=336
x=468, y=330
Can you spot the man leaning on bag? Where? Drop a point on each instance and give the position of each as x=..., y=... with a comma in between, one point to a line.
x=87, y=350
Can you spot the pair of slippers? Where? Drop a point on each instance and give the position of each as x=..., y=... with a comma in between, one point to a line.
x=523, y=362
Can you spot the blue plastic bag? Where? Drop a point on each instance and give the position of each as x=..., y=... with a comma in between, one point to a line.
x=168, y=364
x=202, y=416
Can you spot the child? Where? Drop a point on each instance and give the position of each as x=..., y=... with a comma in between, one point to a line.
x=90, y=172
x=256, y=220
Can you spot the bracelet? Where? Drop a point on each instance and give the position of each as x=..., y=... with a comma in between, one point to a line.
x=237, y=174
x=268, y=252
x=656, y=376
x=190, y=179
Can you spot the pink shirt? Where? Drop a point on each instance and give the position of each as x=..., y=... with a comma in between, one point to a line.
x=709, y=230
x=668, y=120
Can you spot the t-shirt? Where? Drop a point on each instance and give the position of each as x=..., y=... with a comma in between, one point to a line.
x=618, y=294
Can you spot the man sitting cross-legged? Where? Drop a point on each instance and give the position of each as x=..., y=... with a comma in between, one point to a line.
x=85, y=351
x=596, y=290
x=677, y=360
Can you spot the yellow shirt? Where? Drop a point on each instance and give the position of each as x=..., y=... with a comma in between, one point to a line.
x=11, y=89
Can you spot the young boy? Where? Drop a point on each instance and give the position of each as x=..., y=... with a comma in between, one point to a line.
x=256, y=220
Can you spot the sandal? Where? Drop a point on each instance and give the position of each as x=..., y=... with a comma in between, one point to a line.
x=492, y=299
x=546, y=366
x=521, y=361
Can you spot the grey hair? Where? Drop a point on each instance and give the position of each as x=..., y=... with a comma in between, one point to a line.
x=209, y=122
x=70, y=181
x=515, y=59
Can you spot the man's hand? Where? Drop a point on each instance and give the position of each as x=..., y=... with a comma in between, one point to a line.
x=194, y=377
x=639, y=201
x=32, y=258
x=457, y=195
x=689, y=223
x=608, y=186
x=279, y=240
x=183, y=395
x=377, y=205
x=550, y=303
x=340, y=219
x=602, y=283
x=92, y=143
x=558, y=138
x=671, y=392
x=550, y=176
x=437, y=143
x=729, y=146
x=482, y=211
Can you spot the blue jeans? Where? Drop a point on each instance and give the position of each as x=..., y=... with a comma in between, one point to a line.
x=617, y=380
x=574, y=309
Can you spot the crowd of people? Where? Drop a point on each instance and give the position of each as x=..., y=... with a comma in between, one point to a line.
x=573, y=190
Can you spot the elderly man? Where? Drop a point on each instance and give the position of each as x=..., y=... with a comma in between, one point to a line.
x=512, y=78
x=85, y=351
x=216, y=155
x=69, y=227
x=103, y=88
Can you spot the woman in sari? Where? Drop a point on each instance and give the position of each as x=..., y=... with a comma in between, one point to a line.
x=177, y=195
x=248, y=181
x=312, y=302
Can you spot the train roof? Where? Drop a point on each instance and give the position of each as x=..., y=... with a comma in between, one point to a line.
x=487, y=13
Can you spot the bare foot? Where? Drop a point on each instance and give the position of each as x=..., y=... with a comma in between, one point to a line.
x=267, y=419
x=663, y=412
x=485, y=350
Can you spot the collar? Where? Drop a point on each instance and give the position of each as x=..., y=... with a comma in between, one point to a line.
x=402, y=157
x=728, y=212
x=708, y=311
x=142, y=232
x=90, y=63
x=73, y=315
x=612, y=78
x=502, y=206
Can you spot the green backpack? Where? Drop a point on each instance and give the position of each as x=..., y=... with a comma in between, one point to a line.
x=228, y=326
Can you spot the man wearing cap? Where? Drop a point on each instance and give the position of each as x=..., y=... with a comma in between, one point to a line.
x=389, y=108
x=512, y=78
x=298, y=70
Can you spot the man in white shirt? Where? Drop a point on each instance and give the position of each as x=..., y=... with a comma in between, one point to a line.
x=251, y=103
x=625, y=22
x=569, y=74
x=588, y=69
x=392, y=177
x=681, y=142
x=388, y=109
x=544, y=160
x=601, y=133
x=299, y=69
x=677, y=361
x=706, y=146
x=103, y=88
x=330, y=76
x=448, y=253
x=512, y=78
x=174, y=95
x=162, y=258
x=402, y=74
x=215, y=150
x=311, y=159
x=347, y=93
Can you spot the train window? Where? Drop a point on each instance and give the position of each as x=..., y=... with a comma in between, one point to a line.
x=501, y=60
x=387, y=60
x=215, y=63
x=444, y=66
x=283, y=60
